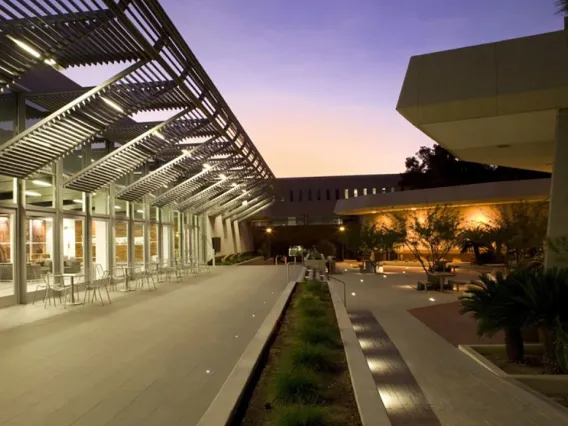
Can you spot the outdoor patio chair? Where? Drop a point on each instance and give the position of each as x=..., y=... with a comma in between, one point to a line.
x=94, y=287
x=55, y=288
x=149, y=274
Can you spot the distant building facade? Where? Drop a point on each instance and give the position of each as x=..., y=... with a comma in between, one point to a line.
x=307, y=201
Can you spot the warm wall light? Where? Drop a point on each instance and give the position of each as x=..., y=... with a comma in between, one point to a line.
x=342, y=228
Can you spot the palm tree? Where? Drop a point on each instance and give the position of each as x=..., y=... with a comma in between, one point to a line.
x=476, y=240
x=562, y=7
x=544, y=296
x=493, y=304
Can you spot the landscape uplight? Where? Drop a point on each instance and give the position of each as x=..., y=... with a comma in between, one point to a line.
x=112, y=104
x=26, y=47
x=342, y=228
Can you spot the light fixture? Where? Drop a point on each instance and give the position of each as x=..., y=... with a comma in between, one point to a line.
x=78, y=201
x=3, y=219
x=431, y=299
x=245, y=203
x=32, y=194
x=413, y=209
x=159, y=135
x=234, y=185
x=374, y=212
x=26, y=47
x=361, y=280
x=222, y=177
x=206, y=166
x=50, y=61
x=139, y=211
x=41, y=183
x=112, y=104
x=186, y=152
x=117, y=207
x=269, y=230
x=353, y=294
x=342, y=228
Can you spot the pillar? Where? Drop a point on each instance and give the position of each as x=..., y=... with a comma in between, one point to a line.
x=230, y=238
x=20, y=258
x=219, y=232
x=238, y=241
x=557, y=223
x=207, y=235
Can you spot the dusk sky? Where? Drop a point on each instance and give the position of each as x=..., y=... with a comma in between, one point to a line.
x=315, y=82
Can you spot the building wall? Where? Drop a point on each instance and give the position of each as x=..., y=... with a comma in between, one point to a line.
x=472, y=216
x=311, y=200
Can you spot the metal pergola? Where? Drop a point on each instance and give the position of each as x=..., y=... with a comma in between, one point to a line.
x=200, y=159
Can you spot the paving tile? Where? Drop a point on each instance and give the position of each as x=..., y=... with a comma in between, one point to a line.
x=140, y=361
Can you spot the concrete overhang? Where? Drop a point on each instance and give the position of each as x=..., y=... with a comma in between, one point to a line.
x=494, y=103
x=463, y=195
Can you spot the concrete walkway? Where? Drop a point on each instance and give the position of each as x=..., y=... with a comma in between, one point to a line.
x=459, y=391
x=150, y=358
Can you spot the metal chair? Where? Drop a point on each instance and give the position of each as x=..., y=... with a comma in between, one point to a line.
x=59, y=288
x=95, y=285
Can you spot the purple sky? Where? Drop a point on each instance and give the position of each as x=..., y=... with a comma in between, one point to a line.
x=315, y=82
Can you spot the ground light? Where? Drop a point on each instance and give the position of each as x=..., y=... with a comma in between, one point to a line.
x=431, y=299
x=353, y=294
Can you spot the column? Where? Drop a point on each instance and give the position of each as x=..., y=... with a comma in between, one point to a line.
x=230, y=236
x=207, y=244
x=557, y=223
x=238, y=241
x=219, y=232
x=182, y=227
x=20, y=258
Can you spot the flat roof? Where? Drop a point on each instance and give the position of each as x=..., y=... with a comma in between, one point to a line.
x=494, y=103
x=482, y=193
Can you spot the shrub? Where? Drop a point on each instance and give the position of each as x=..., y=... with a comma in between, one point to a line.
x=301, y=415
x=316, y=288
x=311, y=307
x=293, y=385
x=313, y=357
x=318, y=333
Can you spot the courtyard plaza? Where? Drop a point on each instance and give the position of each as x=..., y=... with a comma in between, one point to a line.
x=421, y=375
x=149, y=358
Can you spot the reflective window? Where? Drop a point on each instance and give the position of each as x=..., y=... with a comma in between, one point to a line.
x=6, y=254
x=121, y=241
x=39, y=190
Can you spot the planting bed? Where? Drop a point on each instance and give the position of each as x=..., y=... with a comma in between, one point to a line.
x=532, y=372
x=304, y=379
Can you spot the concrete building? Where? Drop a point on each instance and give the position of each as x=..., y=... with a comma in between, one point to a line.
x=503, y=103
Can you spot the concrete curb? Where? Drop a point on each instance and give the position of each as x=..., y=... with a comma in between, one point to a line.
x=224, y=406
x=512, y=378
x=246, y=261
x=371, y=408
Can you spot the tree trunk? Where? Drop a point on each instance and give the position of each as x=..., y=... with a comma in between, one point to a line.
x=514, y=344
x=549, y=359
x=476, y=254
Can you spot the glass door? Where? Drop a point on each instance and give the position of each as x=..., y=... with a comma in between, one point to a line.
x=100, y=247
x=7, y=251
x=39, y=249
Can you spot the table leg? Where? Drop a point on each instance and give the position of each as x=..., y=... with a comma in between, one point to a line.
x=72, y=291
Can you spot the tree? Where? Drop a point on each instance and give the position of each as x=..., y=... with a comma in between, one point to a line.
x=437, y=167
x=476, y=239
x=494, y=305
x=521, y=228
x=431, y=236
x=562, y=7
x=375, y=239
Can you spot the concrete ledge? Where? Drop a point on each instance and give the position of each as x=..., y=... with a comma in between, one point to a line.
x=537, y=385
x=246, y=261
x=371, y=408
x=224, y=406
